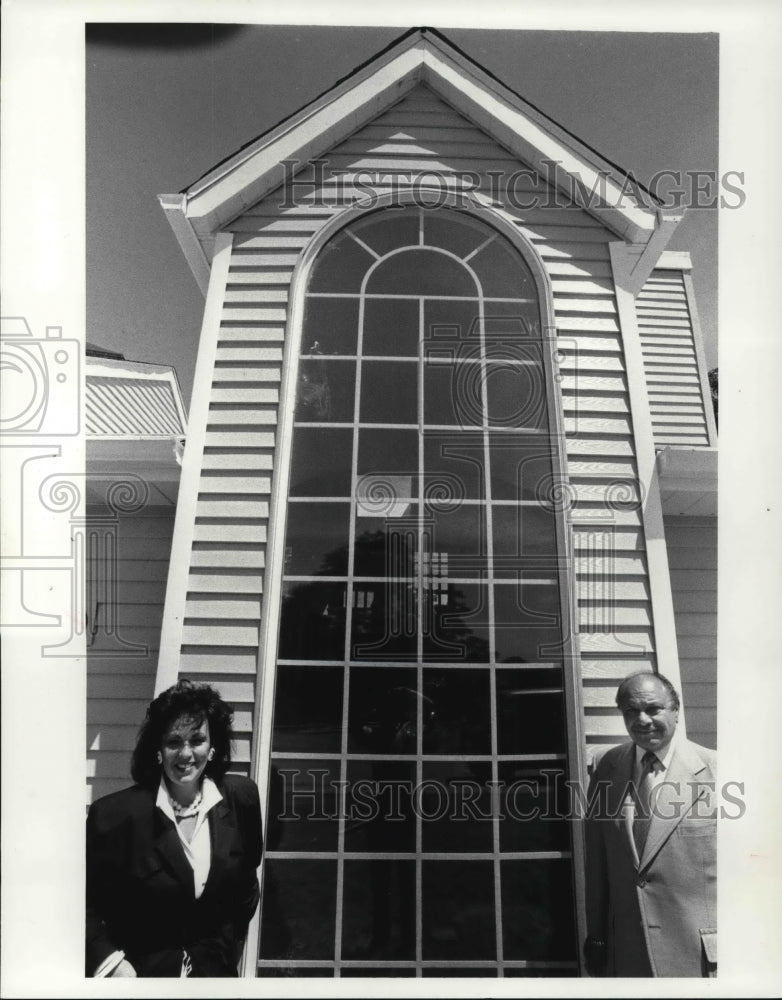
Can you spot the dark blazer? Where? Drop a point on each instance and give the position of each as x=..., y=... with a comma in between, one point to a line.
x=657, y=913
x=140, y=893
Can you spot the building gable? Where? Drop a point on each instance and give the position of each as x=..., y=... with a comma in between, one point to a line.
x=421, y=57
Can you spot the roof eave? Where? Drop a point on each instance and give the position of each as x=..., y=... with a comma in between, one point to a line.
x=175, y=207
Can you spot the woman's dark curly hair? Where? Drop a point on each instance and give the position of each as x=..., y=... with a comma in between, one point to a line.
x=195, y=702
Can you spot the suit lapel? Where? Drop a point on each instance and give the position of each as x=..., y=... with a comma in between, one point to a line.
x=678, y=793
x=169, y=848
x=223, y=834
x=618, y=804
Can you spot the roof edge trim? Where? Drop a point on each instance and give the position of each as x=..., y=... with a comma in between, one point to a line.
x=175, y=207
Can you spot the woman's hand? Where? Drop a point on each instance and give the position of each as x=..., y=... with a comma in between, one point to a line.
x=124, y=969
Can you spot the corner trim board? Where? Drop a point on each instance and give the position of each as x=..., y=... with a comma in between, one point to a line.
x=184, y=526
x=663, y=623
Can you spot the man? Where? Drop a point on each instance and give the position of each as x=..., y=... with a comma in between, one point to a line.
x=651, y=838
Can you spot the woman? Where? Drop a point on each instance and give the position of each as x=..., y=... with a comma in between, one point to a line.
x=171, y=862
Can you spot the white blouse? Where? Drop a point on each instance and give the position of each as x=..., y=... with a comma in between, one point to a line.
x=198, y=850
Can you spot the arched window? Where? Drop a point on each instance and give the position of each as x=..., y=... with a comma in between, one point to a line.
x=420, y=689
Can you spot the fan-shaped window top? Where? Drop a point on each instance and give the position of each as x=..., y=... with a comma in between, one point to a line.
x=421, y=271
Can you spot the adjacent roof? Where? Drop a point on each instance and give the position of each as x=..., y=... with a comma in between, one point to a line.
x=421, y=56
x=96, y=351
x=126, y=399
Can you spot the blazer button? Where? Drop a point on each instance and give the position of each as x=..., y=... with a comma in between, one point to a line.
x=641, y=883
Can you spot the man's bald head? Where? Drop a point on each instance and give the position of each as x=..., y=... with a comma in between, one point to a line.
x=631, y=681
x=649, y=704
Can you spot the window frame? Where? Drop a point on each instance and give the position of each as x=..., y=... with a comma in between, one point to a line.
x=273, y=573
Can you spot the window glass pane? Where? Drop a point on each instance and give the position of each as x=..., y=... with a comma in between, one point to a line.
x=389, y=972
x=456, y=807
x=386, y=547
x=420, y=272
x=453, y=466
x=316, y=543
x=458, y=910
x=515, y=396
x=298, y=971
x=378, y=918
x=459, y=701
x=384, y=621
x=536, y=972
x=522, y=644
x=533, y=605
x=299, y=909
x=326, y=390
x=380, y=817
x=312, y=621
x=533, y=805
x=512, y=327
x=527, y=621
x=383, y=710
x=453, y=232
x=391, y=328
x=459, y=972
x=308, y=709
x=382, y=451
x=456, y=540
x=320, y=466
x=303, y=805
x=389, y=229
x=340, y=266
x=521, y=532
x=536, y=677
x=452, y=329
x=330, y=326
x=452, y=394
x=537, y=910
x=389, y=392
x=520, y=467
x=528, y=723
x=455, y=625
x=502, y=272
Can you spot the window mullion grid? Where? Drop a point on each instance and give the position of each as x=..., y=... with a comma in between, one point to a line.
x=420, y=596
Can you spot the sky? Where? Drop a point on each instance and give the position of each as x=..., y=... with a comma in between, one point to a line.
x=165, y=103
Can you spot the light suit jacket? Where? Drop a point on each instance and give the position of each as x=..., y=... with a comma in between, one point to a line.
x=657, y=913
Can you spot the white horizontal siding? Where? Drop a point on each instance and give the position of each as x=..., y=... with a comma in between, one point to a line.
x=121, y=681
x=692, y=547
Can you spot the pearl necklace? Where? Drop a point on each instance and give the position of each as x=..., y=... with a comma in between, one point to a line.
x=182, y=812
